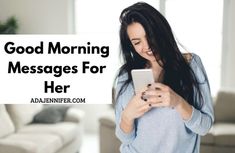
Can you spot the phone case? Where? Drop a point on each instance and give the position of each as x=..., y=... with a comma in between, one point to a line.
x=141, y=78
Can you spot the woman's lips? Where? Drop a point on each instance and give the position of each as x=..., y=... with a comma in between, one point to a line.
x=149, y=52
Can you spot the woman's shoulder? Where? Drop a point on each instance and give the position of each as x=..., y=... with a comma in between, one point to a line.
x=192, y=58
x=197, y=66
x=187, y=57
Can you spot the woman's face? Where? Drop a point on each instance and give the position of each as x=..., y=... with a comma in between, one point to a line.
x=139, y=41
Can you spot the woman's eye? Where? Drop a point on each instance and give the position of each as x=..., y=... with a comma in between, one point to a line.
x=136, y=43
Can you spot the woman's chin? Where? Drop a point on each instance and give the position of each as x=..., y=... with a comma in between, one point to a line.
x=150, y=59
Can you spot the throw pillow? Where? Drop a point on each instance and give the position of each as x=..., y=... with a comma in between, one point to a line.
x=51, y=114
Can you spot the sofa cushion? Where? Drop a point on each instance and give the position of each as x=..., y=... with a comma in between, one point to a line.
x=108, y=118
x=209, y=137
x=74, y=115
x=6, y=125
x=30, y=143
x=65, y=130
x=22, y=114
x=51, y=114
x=225, y=106
x=224, y=134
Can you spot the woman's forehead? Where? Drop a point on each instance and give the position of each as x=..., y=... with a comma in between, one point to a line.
x=135, y=30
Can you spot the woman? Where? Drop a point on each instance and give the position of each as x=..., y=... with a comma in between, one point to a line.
x=169, y=115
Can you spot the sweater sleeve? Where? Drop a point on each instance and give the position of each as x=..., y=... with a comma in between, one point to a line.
x=121, y=101
x=201, y=121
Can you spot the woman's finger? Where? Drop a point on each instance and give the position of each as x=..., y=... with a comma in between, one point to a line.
x=154, y=99
x=141, y=91
x=144, y=108
x=158, y=104
x=153, y=92
x=159, y=86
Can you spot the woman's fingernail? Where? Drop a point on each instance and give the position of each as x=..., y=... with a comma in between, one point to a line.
x=143, y=93
x=145, y=99
x=149, y=85
x=142, y=97
x=150, y=105
x=156, y=88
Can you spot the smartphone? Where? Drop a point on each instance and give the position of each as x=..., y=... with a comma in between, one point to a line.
x=141, y=78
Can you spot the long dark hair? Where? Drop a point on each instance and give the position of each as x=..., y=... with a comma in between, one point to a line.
x=177, y=73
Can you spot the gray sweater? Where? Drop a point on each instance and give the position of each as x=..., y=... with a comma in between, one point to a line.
x=162, y=130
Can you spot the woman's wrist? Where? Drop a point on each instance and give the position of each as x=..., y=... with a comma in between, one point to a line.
x=184, y=108
x=126, y=123
x=127, y=119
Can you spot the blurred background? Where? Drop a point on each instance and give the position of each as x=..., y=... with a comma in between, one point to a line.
x=205, y=27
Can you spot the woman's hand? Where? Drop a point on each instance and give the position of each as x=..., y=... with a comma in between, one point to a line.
x=160, y=95
x=137, y=107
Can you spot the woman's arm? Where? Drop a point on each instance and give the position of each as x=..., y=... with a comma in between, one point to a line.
x=126, y=124
x=135, y=108
x=128, y=108
x=127, y=136
x=198, y=121
x=201, y=121
x=184, y=109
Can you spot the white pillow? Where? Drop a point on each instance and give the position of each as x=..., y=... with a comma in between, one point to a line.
x=6, y=124
x=22, y=114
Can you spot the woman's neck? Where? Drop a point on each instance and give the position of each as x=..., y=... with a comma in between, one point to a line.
x=157, y=71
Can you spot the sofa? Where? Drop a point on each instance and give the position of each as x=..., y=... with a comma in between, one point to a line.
x=220, y=139
x=109, y=143
x=19, y=135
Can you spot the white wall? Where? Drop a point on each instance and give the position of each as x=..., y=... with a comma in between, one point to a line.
x=228, y=55
x=40, y=16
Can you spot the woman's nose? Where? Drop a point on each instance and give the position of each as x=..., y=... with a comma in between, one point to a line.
x=145, y=45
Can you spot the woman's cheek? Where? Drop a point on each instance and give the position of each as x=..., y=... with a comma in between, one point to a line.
x=138, y=50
